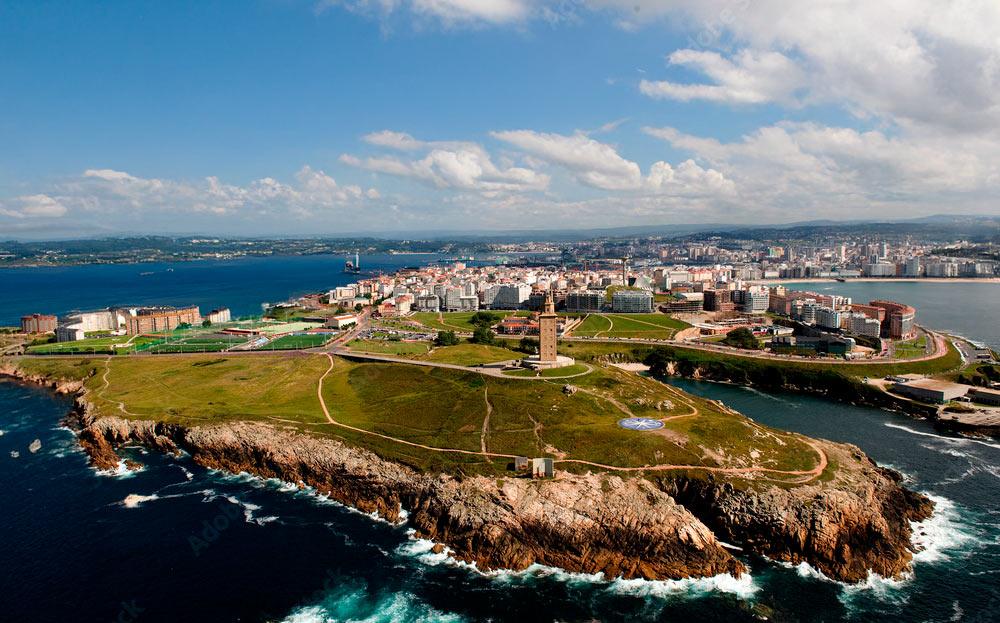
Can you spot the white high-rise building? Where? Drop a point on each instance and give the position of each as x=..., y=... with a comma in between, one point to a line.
x=860, y=324
x=632, y=302
x=511, y=296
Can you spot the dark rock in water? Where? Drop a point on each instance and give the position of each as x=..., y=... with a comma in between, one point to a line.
x=438, y=548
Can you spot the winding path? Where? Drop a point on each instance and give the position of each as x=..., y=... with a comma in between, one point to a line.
x=804, y=475
x=330, y=420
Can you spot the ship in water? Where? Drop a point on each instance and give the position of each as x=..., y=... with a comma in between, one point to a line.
x=353, y=267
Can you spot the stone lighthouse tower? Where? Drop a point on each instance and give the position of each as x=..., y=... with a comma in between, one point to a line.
x=547, y=332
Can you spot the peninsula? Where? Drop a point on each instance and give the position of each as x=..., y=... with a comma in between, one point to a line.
x=440, y=444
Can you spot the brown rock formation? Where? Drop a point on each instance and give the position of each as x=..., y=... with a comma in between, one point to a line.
x=633, y=527
x=858, y=522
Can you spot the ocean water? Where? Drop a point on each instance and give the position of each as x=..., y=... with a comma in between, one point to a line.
x=242, y=285
x=176, y=542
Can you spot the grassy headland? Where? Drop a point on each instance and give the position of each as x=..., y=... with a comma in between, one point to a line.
x=439, y=408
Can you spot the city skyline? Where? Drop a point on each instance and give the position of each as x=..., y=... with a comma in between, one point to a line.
x=285, y=117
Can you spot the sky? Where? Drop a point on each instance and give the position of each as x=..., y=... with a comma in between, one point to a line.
x=327, y=117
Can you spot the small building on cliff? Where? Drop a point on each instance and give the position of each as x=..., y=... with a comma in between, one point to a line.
x=542, y=468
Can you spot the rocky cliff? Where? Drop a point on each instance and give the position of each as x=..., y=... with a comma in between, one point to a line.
x=588, y=524
x=856, y=523
x=663, y=528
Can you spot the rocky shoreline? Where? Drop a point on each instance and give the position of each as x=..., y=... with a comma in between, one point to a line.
x=657, y=528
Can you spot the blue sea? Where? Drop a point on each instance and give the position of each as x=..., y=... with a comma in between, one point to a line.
x=176, y=542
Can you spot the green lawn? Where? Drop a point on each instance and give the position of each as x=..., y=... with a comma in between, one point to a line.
x=437, y=407
x=644, y=326
x=296, y=342
x=454, y=321
x=471, y=354
x=553, y=373
x=388, y=347
x=912, y=349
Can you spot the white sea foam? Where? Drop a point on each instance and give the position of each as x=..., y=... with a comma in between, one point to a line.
x=945, y=450
x=883, y=589
x=121, y=471
x=134, y=500
x=323, y=499
x=959, y=441
x=754, y=390
x=805, y=570
x=940, y=535
x=743, y=587
x=356, y=604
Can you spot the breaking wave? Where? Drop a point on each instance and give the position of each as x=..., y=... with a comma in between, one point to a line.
x=121, y=471
x=958, y=441
x=357, y=604
x=940, y=535
x=743, y=587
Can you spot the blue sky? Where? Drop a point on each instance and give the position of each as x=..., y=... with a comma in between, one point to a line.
x=259, y=116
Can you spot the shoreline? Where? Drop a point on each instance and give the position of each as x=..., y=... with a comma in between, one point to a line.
x=571, y=522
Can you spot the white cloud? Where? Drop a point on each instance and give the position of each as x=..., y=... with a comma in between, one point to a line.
x=394, y=140
x=119, y=194
x=599, y=165
x=455, y=165
x=922, y=64
x=492, y=11
x=750, y=78
x=807, y=165
x=446, y=12
x=32, y=206
x=593, y=163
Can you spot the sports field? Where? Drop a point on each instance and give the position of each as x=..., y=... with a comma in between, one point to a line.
x=101, y=345
x=643, y=326
x=298, y=341
x=453, y=321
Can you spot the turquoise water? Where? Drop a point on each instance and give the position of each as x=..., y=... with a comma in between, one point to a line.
x=176, y=542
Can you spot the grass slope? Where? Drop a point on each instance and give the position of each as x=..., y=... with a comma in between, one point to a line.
x=437, y=407
x=644, y=326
